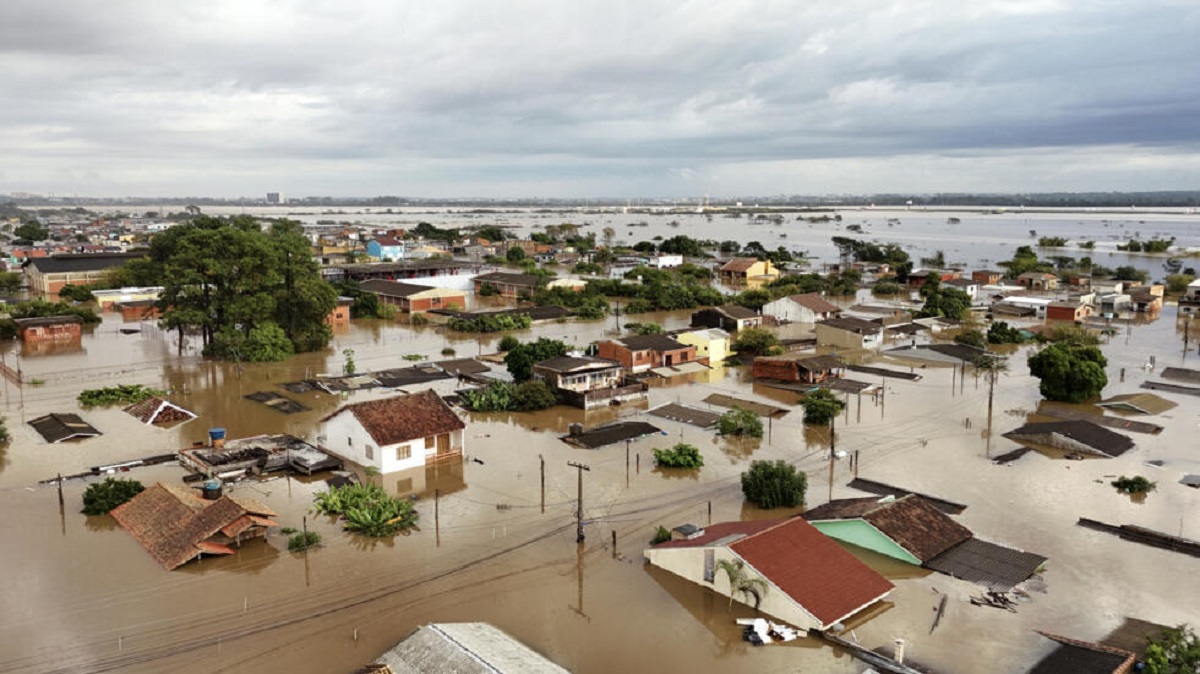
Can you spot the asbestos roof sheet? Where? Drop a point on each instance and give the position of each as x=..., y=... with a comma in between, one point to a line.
x=56, y=427
x=996, y=566
x=681, y=369
x=1182, y=374
x=687, y=415
x=761, y=409
x=1098, y=438
x=612, y=433
x=462, y=648
x=1139, y=403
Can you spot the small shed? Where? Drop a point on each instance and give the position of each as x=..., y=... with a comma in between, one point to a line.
x=50, y=329
x=56, y=427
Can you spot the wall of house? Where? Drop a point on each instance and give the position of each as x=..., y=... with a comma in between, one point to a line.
x=689, y=563
x=862, y=534
x=344, y=436
x=676, y=356
x=66, y=332
x=787, y=310
x=714, y=350
x=830, y=336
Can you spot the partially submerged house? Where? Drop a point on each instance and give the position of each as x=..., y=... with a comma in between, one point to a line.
x=849, y=333
x=915, y=530
x=730, y=317
x=910, y=528
x=712, y=344
x=155, y=411
x=1038, y=280
x=812, y=582
x=48, y=275
x=507, y=284
x=638, y=353
x=1075, y=435
x=747, y=271
x=1068, y=310
x=413, y=298
x=394, y=433
x=56, y=427
x=1138, y=403
x=175, y=525
x=1190, y=302
x=803, y=308
x=254, y=455
x=588, y=383
x=802, y=369
x=1074, y=655
x=59, y=329
x=461, y=648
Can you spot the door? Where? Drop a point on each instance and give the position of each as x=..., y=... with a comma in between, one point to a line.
x=443, y=444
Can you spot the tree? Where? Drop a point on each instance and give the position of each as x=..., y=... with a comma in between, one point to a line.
x=225, y=278
x=738, y=421
x=534, y=394
x=514, y=255
x=682, y=455
x=32, y=230
x=10, y=281
x=992, y=367
x=101, y=497
x=1178, y=283
x=1069, y=373
x=1175, y=651
x=774, y=484
x=348, y=364
x=756, y=342
x=741, y=582
x=509, y=342
x=1129, y=273
x=5, y=437
x=520, y=359
x=1000, y=332
x=943, y=302
x=645, y=328
x=821, y=406
x=753, y=299
x=971, y=337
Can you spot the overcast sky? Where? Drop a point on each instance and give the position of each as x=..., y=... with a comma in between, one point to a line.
x=567, y=98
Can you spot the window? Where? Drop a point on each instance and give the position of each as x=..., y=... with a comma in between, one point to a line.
x=349, y=442
x=403, y=452
x=430, y=442
x=710, y=565
x=370, y=452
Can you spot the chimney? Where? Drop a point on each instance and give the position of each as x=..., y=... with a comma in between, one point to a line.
x=898, y=654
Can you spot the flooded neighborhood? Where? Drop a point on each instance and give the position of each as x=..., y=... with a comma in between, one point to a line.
x=953, y=519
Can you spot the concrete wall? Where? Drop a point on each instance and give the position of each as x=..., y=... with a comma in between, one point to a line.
x=787, y=310
x=715, y=350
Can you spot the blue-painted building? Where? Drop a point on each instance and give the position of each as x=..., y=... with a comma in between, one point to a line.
x=386, y=249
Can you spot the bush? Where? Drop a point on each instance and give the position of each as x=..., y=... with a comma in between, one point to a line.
x=1001, y=332
x=4, y=434
x=1134, y=485
x=448, y=351
x=76, y=293
x=885, y=288
x=681, y=455
x=821, y=406
x=367, y=509
x=265, y=343
x=491, y=323
x=662, y=535
x=303, y=540
x=738, y=421
x=774, y=484
x=645, y=328
x=508, y=343
x=533, y=395
x=101, y=497
x=756, y=342
x=287, y=531
x=972, y=337
x=122, y=394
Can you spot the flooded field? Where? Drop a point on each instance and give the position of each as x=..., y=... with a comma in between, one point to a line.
x=83, y=596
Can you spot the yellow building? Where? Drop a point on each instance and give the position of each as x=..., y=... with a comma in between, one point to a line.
x=748, y=271
x=712, y=344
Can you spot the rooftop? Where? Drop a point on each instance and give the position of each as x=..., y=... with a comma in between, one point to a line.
x=855, y=325
x=912, y=522
x=739, y=264
x=1087, y=433
x=512, y=279
x=403, y=418
x=82, y=262
x=56, y=427
x=816, y=303
x=566, y=364
x=393, y=288
x=461, y=648
x=650, y=343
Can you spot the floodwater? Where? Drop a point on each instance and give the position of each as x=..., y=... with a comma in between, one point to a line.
x=81, y=595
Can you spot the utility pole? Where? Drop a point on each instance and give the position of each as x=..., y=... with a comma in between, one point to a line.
x=580, y=467
x=542, y=459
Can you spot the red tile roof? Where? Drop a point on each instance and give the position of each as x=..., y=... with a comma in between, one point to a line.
x=173, y=523
x=812, y=569
x=403, y=418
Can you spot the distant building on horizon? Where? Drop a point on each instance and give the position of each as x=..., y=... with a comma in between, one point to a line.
x=276, y=198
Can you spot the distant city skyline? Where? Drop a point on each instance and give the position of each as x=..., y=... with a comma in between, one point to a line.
x=572, y=101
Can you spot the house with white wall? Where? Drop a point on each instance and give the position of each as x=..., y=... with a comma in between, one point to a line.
x=394, y=434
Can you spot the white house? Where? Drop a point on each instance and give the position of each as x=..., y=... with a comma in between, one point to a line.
x=394, y=434
x=805, y=308
x=665, y=261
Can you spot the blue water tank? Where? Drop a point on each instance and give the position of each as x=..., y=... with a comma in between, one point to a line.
x=216, y=434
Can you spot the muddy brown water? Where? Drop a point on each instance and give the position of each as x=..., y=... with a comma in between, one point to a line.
x=81, y=595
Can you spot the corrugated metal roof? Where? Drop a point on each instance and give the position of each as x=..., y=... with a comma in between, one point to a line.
x=687, y=415
x=995, y=566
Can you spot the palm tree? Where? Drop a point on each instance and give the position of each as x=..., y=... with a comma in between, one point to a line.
x=740, y=581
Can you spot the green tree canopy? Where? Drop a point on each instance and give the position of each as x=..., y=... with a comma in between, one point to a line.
x=756, y=342
x=32, y=230
x=774, y=484
x=820, y=406
x=1175, y=651
x=738, y=421
x=521, y=358
x=1069, y=373
x=241, y=287
x=101, y=497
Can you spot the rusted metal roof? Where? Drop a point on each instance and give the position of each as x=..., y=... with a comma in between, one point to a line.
x=996, y=566
x=761, y=409
x=612, y=433
x=686, y=415
x=1074, y=656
